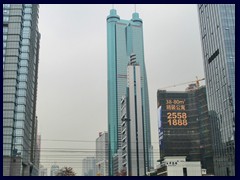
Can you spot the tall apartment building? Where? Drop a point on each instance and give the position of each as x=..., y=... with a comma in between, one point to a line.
x=42, y=171
x=184, y=126
x=54, y=170
x=217, y=26
x=37, y=150
x=89, y=166
x=125, y=130
x=102, y=154
x=20, y=76
x=124, y=37
x=132, y=147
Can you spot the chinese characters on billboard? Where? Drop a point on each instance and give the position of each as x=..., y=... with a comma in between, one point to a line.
x=176, y=112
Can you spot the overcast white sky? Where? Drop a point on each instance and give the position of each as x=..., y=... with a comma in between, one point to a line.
x=72, y=84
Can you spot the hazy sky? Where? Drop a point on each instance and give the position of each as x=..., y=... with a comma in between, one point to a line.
x=72, y=84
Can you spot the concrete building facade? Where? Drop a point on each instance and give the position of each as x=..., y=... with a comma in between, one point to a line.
x=102, y=154
x=178, y=166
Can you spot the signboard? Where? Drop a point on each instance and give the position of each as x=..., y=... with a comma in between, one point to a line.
x=176, y=112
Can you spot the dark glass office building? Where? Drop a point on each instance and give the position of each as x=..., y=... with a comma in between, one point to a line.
x=184, y=126
x=20, y=73
x=217, y=25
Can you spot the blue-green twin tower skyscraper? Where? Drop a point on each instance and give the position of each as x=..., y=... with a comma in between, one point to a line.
x=125, y=37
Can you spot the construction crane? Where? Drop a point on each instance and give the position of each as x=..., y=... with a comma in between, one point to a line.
x=175, y=85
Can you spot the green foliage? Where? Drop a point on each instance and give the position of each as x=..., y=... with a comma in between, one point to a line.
x=66, y=171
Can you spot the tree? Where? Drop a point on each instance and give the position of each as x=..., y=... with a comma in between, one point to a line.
x=66, y=171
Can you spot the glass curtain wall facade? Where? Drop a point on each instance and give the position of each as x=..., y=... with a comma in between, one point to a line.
x=179, y=126
x=185, y=127
x=20, y=72
x=124, y=37
x=217, y=26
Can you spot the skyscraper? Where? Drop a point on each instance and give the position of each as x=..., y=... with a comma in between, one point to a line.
x=124, y=37
x=42, y=171
x=54, y=170
x=184, y=126
x=132, y=134
x=217, y=25
x=89, y=166
x=20, y=75
x=102, y=154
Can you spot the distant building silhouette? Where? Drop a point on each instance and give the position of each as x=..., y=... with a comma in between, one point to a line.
x=54, y=170
x=42, y=171
x=89, y=166
x=102, y=154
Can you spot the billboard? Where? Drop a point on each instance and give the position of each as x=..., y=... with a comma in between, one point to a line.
x=176, y=112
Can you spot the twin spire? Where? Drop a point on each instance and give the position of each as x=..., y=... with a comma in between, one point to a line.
x=135, y=15
x=135, y=7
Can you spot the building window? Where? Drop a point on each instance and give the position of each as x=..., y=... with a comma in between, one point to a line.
x=4, y=37
x=5, y=12
x=28, y=5
x=215, y=54
x=5, y=19
x=5, y=30
x=6, y=6
x=27, y=17
x=21, y=92
x=19, y=132
x=25, y=49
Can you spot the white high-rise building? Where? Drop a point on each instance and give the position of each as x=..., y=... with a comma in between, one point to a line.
x=54, y=170
x=102, y=154
x=137, y=163
x=42, y=171
x=133, y=124
x=89, y=166
x=123, y=165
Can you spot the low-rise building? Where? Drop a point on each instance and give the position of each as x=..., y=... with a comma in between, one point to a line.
x=178, y=166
